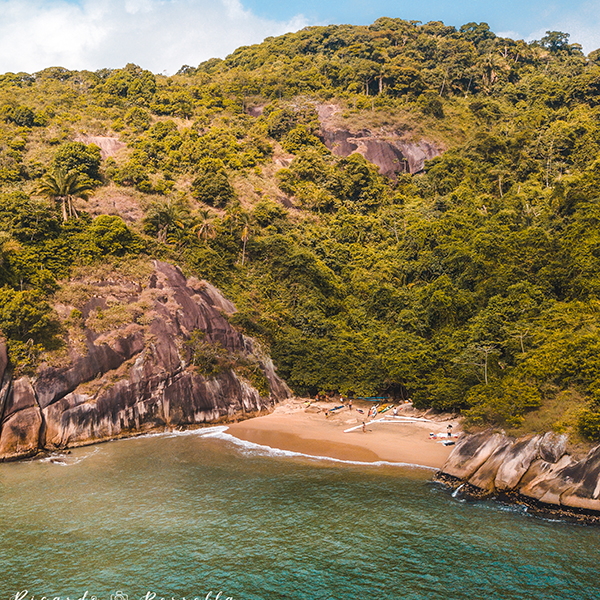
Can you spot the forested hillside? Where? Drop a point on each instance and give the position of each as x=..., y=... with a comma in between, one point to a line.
x=472, y=285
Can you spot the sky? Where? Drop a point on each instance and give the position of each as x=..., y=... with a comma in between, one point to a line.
x=163, y=35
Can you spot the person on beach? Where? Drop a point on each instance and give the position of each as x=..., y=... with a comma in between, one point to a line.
x=395, y=411
x=449, y=429
x=364, y=428
x=350, y=403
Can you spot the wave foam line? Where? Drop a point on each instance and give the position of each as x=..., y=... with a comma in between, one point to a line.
x=269, y=451
x=66, y=460
x=201, y=431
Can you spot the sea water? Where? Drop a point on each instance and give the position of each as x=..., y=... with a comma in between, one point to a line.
x=197, y=514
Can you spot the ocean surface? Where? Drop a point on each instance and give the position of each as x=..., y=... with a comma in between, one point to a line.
x=195, y=514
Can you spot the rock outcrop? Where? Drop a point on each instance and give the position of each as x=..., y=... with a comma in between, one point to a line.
x=392, y=152
x=137, y=376
x=534, y=470
x=109, y=146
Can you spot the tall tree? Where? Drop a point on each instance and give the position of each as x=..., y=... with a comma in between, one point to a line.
x=61, y=186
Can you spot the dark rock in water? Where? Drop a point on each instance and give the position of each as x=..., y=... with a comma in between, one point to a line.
x=533, y=469
x=136, y=378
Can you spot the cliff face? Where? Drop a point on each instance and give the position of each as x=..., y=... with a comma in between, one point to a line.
x=136, y=377
x=392, y=153
x=536, y=468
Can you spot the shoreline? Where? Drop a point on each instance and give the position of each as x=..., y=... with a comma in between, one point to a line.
x=296, y=426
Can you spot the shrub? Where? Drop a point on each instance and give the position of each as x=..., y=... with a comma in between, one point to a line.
x=29, y=325
x=111, y=236
x=211, y=359
x=212, y=185
x=83, y=158
x=589, y=425
x=502, y=403
x=138, y=119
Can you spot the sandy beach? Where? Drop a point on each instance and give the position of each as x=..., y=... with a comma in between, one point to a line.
x=406, y=438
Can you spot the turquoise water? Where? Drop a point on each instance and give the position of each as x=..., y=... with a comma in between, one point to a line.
x=184, y=515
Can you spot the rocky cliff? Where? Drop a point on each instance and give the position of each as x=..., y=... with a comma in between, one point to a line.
x=535, y=470
x=393, y=153
x=128, y=370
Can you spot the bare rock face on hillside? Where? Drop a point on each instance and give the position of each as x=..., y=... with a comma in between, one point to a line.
x=392, y=152
x=536, y=468
x=109, y=146
x=136, y=377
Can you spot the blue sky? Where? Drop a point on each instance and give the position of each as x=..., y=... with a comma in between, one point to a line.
x=163, y=35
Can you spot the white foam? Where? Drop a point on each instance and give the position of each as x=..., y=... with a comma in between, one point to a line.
x=262, y=450
x=67, y=460
x=202, y=432
x=251, y=448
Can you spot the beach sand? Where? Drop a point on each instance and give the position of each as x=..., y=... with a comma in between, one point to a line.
x=294, y=426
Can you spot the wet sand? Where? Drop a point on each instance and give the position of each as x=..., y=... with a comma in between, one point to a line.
x=294, y=426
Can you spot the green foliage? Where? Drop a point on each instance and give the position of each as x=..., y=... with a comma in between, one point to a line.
x=470, y=286
x=432, y=105
x=63, y=186
x=589, y=424
x=211, y=359
x=133, y=174
x=110, y=236
x=138, y=119
x=300, y=138
x=80, y=158
x=212, y=186
x=168, y=218
x=29, y=326
x=504, y=403
x=129, y=85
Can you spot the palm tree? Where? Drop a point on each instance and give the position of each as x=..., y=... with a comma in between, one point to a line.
x=245, y=235
x=166, y=218
x=205, y=228
x=59, y=185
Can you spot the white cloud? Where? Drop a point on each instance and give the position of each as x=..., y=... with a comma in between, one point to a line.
x=160, y=35
x=583, y=25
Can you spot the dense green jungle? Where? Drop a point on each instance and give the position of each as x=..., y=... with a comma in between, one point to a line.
x=472, y=285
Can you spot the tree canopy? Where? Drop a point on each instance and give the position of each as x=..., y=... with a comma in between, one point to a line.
x=472, y=285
